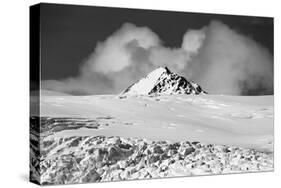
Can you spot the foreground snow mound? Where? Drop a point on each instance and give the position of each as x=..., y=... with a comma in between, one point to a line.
x=84, y=159
x=163, y=81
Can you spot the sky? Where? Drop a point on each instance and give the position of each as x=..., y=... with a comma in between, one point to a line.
x=97, y=50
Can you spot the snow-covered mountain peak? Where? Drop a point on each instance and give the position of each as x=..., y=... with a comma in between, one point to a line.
x=155, y=74
x=163, y=81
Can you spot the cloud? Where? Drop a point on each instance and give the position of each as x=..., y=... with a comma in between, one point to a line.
x=221, y=60
x=114, y=64
x=175, y=59
x=231, y=63
x=113, y=55
x=193, y=40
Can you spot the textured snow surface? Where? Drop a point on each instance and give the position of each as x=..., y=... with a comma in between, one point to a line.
x=86, y=159
x=108, y=138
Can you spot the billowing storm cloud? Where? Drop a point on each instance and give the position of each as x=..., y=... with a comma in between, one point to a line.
x=218, y=58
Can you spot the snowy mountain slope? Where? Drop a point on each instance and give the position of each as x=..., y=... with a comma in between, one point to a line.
x=245, y=121
x=163, y=81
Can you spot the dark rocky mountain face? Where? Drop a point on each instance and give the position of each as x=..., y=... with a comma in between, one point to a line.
x=171, y=83
x=163, y=81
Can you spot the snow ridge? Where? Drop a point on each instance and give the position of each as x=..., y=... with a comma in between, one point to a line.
x=163, y=81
